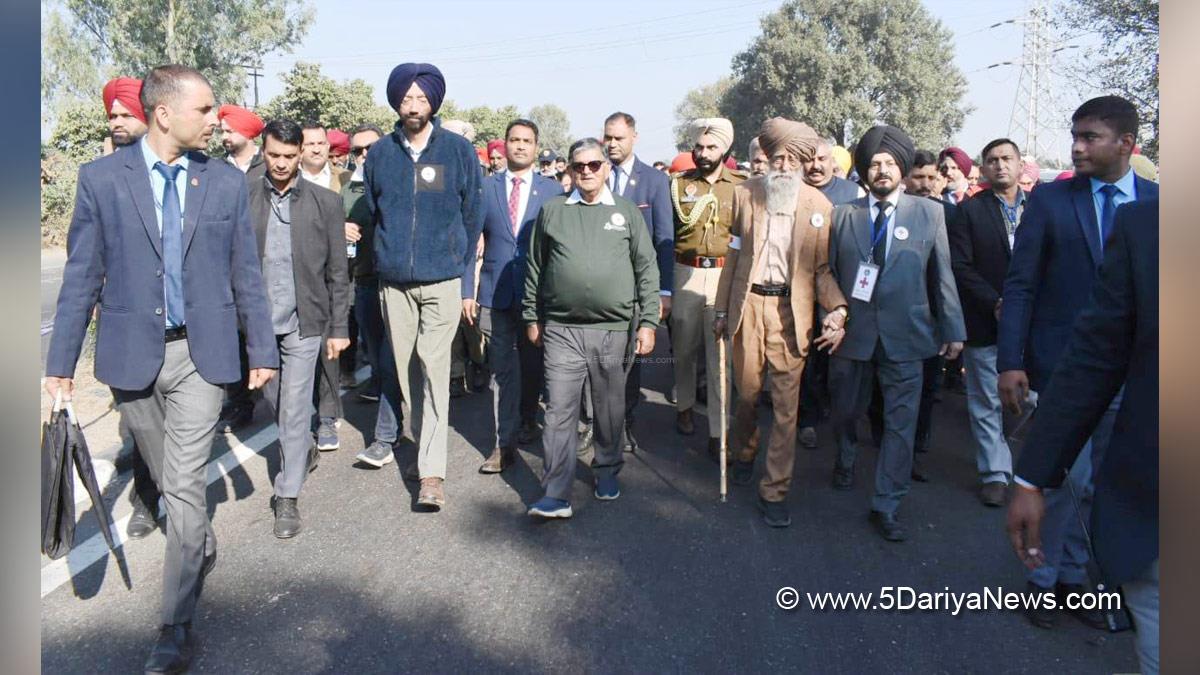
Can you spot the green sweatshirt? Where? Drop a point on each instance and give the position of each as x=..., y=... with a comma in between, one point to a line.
x=590, y=265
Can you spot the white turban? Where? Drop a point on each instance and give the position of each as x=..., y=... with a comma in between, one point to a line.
x=719, y=128
x=464, y=129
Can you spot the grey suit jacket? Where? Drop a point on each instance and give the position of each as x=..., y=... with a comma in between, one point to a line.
x=900, y=313
x=318, y=253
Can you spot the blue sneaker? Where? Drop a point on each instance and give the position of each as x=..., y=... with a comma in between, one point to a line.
x=549, y=507
x=607, y=488
x=327, y=435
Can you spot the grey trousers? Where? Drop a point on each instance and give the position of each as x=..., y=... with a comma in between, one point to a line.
x=289, y=394
x=1064, y=544
x=993, y=457
x=1141, y=597
x=850, y=385
x=173, y=422
x=421, y=320
x=573, y=354
x=504, y=330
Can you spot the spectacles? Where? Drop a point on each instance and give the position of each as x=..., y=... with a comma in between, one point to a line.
x=592, y=166
x=359, y=151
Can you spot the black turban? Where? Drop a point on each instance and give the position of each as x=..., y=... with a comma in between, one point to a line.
x=427, y=77
x=883, y=138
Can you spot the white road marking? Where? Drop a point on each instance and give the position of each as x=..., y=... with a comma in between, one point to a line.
x=94, y=549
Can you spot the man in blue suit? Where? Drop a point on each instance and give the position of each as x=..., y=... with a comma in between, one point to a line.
x=511, y=201
x=650, y=189
x=1058, y=247
x=161, y=238
x=1114, y=344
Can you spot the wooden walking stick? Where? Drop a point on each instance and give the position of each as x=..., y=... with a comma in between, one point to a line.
x=722, y=403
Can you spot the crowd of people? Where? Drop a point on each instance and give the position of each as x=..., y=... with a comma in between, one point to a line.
x=823, y=282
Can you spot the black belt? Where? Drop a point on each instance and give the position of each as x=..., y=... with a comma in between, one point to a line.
x=771, y=291
x=701, y=261
x=173, y=334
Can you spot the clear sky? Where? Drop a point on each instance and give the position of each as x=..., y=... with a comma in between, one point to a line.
x=639, y=56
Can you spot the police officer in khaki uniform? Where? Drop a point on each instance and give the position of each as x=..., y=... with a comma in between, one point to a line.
x=703, y=210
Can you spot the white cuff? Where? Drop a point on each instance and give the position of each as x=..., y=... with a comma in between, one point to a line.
x=735, y=243
x=1024, y=483
x=665, y=293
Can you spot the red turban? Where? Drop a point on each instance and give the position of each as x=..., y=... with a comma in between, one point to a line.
x=241, y=120
x=683, y=162
x=494, y=145
x=482, y=155
x=339, y=142
x=128, y=91
x=959, y=157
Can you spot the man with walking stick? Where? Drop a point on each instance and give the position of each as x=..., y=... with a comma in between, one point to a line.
x=776, y=269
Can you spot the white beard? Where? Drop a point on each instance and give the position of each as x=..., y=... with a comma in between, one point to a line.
x=783, y=188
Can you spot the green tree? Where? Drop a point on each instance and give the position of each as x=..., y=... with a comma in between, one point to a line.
x=1125, y=62
x=700, y=102
x=489, y=122
x=217, y=37
x=308, y=94
x=554, y=127
x=844, y=65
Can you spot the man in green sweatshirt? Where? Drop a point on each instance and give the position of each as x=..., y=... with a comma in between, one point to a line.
x=591, y=266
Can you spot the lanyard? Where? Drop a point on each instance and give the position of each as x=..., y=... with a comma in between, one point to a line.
x=1010, y=212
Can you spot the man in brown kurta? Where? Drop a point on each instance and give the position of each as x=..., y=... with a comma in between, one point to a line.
x=776, y=269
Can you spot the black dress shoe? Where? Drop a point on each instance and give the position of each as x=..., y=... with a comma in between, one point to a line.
x=235, y=419
x=1036, y=611
x=173, y=651
x=843, y=479
x=287, y=518
x=1092, y=617
x=210, y=561
x=742, y=473
x=888, y=526
x=683, y=422
x=141, y=523
x=774, y=514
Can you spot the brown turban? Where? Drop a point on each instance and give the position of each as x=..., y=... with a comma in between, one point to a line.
x=797, y=138
x=719, y=128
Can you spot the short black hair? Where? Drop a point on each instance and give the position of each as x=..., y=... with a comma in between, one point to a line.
x=312, y=124
x=163, y=85
x=1118, y=113
x=624, y=117
x=365, y=127
x=283, y=130
x=923, y=158
x=521, y=122
x=992, y=145
x=659, y=164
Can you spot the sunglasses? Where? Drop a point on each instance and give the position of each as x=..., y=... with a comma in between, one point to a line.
x=592, y=166
x=358, y=151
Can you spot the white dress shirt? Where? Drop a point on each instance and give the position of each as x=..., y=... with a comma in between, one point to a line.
x=894, y=200
x=526, y=177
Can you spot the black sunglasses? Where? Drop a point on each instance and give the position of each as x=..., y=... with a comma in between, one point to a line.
x=358, y=151
x=593, y=166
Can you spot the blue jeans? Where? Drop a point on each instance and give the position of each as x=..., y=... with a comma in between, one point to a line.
x=1141, y=597
x=378, y=347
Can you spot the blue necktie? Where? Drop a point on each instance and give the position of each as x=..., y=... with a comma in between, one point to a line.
x=1108, y=210
x=172, y=244
x=879, y=234
x=616, y=180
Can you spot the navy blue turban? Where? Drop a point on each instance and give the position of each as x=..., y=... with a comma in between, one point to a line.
x=883, y=138
x=427, y=77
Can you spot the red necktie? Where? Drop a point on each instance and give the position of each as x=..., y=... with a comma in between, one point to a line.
x=514, y=203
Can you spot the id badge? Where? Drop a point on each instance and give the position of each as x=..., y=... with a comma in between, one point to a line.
x=864, y=281
x=430, y=177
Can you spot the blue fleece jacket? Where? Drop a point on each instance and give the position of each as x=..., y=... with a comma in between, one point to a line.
x=428, y=214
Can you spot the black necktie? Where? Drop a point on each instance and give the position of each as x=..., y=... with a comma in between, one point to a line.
x=879, y=234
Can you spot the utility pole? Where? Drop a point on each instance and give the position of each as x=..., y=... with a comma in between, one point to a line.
x=255, y=72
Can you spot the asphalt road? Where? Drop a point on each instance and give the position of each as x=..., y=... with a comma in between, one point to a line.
x=664, y=579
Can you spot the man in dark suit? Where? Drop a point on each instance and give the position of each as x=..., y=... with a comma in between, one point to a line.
x=301, y=243
x=980, y=247
x=880, y=250
x=1113, y=345
x=641, y=184
x=511, y=202
x=161, y=237
x=1056, y=251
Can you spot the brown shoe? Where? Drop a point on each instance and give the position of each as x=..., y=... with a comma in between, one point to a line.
x=993, y=494
x=684, y=423
x=499, y=460
x=432, y=494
